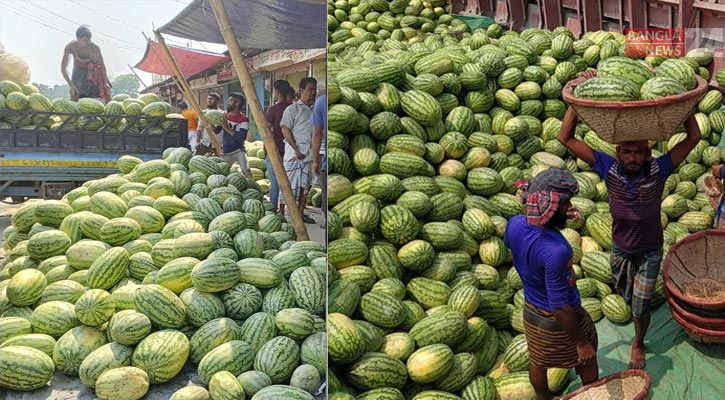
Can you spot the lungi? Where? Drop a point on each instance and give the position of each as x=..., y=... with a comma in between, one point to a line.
x=635, y=277
x=298, y=172
x=549, y=345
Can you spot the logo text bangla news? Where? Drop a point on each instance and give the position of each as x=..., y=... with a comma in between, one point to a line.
x=664, y=42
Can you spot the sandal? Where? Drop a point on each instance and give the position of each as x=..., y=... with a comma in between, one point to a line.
x=307, y=219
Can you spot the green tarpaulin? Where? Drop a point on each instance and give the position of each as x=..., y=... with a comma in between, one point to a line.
x=680, y=368
x=475, y=21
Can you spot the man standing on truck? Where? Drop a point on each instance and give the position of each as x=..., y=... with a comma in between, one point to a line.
x=283, y=95
x=559, y=332
x=203, y=141
x=193, y=121
x=89, y=78
x=297, y=131
x=635, y=182
x=236, y=132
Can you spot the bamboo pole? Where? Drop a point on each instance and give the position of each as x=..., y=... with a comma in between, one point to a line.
x=240, y=66
x=137, y=77
x=188, y=92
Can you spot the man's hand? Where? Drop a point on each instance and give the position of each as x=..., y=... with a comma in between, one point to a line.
x=316, y=166
x=588, y=74
x=73, y=90
x=585, y=352
x=299, y=154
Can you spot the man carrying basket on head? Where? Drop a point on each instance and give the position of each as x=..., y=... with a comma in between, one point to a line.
x=559, y=332
x=635, y=182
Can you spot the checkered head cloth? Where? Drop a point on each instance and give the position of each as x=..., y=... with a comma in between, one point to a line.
x=543, y=194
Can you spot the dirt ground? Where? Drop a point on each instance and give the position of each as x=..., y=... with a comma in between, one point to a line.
x=64, y=387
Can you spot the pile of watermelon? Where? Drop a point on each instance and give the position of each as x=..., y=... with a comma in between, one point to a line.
x=17, y=100
x=625, y=79
x=171, y=261
x=429, y=126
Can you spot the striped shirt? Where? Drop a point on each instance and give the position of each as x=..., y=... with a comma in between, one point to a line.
x=635, y=205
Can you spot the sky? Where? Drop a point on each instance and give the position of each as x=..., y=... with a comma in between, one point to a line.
x=39, y=30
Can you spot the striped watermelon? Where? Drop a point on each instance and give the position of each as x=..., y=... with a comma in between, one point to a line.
x=277, y=358
x=128, y=327
x=161, y=355
x=161, y=305
x=95, y=307
x=234, y=356
x=24, y=368
x=124, y=382
x=430, y=363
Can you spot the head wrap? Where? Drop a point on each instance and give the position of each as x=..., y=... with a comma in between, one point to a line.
x=543, y=194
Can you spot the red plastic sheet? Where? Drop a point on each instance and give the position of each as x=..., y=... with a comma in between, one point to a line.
x=190, y=61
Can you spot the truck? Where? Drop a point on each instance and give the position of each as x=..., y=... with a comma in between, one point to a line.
x=38, y=162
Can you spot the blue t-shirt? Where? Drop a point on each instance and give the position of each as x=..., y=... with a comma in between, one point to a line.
x=543, y=259
x=319, y=118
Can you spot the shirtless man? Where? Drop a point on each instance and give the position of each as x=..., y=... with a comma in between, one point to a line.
x=89, y=78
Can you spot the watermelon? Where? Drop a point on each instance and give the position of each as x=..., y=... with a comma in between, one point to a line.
x=161, y=355
x=160, y=305
x=234, y=356
x=24, y=368
x=122, y=383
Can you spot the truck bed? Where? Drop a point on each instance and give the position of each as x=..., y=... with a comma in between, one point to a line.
x=32, y=161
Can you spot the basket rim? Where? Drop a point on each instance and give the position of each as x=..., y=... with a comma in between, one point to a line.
x=688, y=326
x=671, y=288
x=703, y=312
x=694, y=318
x=622, y=374
x=568, y=96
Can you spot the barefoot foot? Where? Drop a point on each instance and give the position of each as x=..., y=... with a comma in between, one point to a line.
x=638, y=358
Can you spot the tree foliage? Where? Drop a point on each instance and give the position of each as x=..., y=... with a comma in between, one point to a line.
x=55, y=92
x=127, y=83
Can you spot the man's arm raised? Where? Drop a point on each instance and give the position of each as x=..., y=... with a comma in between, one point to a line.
x=681, y=150
x=566, y=137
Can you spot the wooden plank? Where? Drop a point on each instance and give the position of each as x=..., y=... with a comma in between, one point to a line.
x=552, y=13
x=502, y=13
x=703, y=5
x=637, y=14
x=592, y=15
x=517, y=12
x=686, y=14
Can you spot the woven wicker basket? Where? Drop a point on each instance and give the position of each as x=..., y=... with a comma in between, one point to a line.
x=699, y=334
x=700, y=255
x=700, y=321
x=615, y=387
x=618, y=122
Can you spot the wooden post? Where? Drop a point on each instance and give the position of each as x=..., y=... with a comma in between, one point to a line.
x=240, y=66
x=187, y=91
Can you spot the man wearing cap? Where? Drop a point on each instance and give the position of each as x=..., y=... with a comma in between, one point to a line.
x=559, y=332
x=635, y=182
